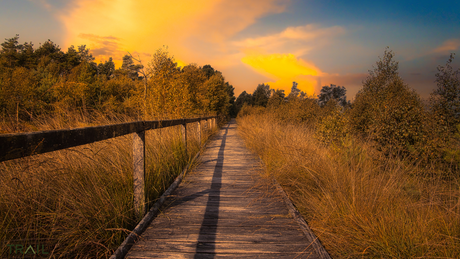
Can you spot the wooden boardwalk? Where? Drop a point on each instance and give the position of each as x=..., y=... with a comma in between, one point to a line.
x=225, y=209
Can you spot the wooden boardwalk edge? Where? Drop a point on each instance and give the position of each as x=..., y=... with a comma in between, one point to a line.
x=129, y=241
x=315, y=242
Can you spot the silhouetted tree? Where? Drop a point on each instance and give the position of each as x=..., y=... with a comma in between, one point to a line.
x=296, y=92
x=333, y=92
x=445, y=99
x=107, y=68
x=208, y=70
x=261, y=95
x=243, y=98
x=276, y=99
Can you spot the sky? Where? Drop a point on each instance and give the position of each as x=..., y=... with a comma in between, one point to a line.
x=276, y=42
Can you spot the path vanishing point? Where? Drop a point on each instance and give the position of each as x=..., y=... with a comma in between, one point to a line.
x=224, y=208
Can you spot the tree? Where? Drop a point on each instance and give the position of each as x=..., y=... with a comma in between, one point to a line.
x=27, y=57
x=296, y=92
x=208, y=70
x=107, y=68
x=333, y=92
x=261, y=95
x=369, y=99
x=445, y=99
x=386, y=110
x=9, y=55
x=217, y=94
x=193, y=78
x=276, y=99
x=232, y=98
x=243, y=98
x=167, y=95
x=131, y=69
x=71, y=58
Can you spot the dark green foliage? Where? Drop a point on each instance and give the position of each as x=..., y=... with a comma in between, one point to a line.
x=261, y=95
x=295, y=92
x=129, y=68
x=445, y=99
x=386, y=110
x=243, y=98
x=208, y=70
x=277, y=98
x=333, y=92
x=10, y=53
x=231, y=94
x=107, y=68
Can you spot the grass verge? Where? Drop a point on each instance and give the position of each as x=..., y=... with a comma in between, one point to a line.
x=359, y=204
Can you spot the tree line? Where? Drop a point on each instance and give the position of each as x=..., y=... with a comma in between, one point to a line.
x=386, y=111
x=36, y=83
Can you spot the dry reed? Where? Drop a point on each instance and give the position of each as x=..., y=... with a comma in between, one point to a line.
x=359, y=204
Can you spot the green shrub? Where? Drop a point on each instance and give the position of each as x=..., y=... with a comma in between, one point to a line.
x=333, y=128
x=387, y=111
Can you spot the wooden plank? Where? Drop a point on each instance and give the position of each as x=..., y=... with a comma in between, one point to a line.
x=217, y=248
x=25, y=144
x=19, y=145
x=236, y=222
x=161, y=254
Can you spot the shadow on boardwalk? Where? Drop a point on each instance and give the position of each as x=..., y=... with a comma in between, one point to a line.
x=221, y=209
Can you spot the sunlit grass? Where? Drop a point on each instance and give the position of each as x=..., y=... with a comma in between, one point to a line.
x=359, y=204
x=78, y=202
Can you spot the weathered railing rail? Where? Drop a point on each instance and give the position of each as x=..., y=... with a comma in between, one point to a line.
x=13, y=146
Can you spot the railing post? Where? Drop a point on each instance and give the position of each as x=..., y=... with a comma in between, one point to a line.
x=184, y=135
x=199, y=132
x=139, y=174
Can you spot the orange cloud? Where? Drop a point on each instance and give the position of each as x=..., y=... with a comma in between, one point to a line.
x=448, y=45
x=103, y=47
x=195, y=31
x=284, y=69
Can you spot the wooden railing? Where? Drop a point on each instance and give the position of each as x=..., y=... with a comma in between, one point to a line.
x=13, y=146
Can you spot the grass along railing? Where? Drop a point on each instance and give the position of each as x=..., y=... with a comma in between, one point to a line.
x=13, y=146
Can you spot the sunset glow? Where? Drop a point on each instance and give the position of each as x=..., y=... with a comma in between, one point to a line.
x=284, y=69
x=251, y=42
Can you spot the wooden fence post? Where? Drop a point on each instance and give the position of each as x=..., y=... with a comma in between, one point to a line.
x=139, y=174
x=184, y=135
x=199, y=133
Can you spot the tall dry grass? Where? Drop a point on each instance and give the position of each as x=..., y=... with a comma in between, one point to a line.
x=78, y=202
x=359, y=204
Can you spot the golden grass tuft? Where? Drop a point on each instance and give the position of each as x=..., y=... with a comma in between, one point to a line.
x=359, y=204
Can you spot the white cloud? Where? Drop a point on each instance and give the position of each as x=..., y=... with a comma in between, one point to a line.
x=298, y=40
